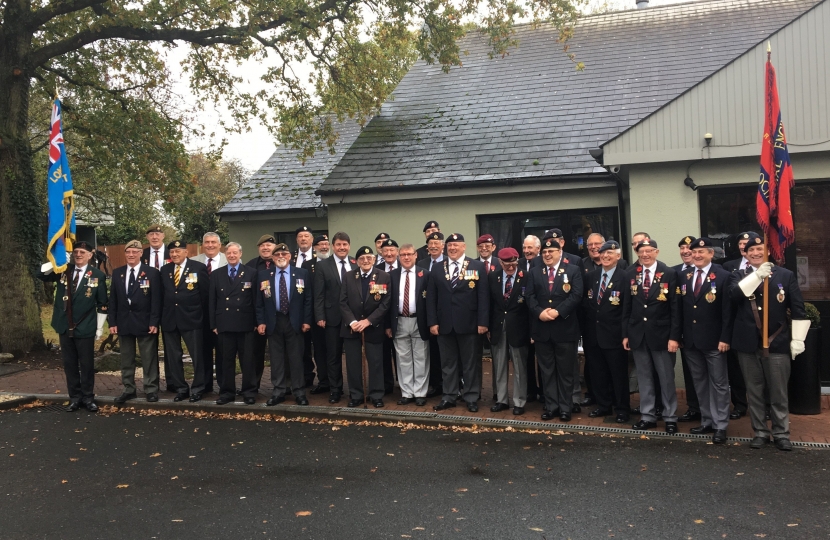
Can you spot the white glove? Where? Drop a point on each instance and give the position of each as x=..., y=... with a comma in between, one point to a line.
x=46, y=268
x=751, y=282
x=796, y=347
x=799, y=334
x=102, y=318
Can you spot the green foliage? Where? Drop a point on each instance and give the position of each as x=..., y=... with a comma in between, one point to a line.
x=812, y=314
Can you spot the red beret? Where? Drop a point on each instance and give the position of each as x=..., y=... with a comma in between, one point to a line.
x=508, y=254
x=485, y=238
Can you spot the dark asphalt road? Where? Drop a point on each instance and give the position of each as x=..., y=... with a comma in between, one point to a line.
x=209, y=478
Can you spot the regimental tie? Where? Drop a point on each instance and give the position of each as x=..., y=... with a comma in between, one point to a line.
x=267, y=265
x=647, y=281
x=233, y=273
x=156, y=263
x=698, y=281
x=551, y=277
x=76, y=279
x=454, y=280
x=283, y=293
x=602, y=287
x=343, y=270
x=405, y=309
x=508, y=287
x=209, y=269
x=176, y=275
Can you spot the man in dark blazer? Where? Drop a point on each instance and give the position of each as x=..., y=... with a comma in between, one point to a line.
x=486, y=246
x=652, y=330
x=283, y=313
x=430, y=228
x=553, y=295
x=134, y=316
x=303, y=254
x=213, y=258
x=707, y=332
x=185, y=291
x=407, y=326
x=531, y=247
x=388, y=255
x=434, y=257
x=328, y=277
x=233, y=318
x=79, y=321
x=509, y=330
x=737, y=385
x=364, y=303
x=605, y=290
x=692, y=413
x=742, y=262
x=265, y=247
x=767, y=370
x=154, y=255
x=318, y=335
x=458, y=312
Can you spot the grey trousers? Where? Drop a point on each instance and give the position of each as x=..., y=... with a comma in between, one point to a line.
x=173, y=364
x=500, y=352
x=710, y=375
x=460, y=358
x=771, y=374
x=286, y=346
x=148, y=348
x=412, y=354
x=663, y=362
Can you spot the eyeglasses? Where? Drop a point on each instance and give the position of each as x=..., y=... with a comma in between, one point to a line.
x=406, y=254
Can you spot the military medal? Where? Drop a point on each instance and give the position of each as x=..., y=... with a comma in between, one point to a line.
x=472, y=284
x=92, y=282
x=683, y=289
x=145, y=285
x=300, y=286
x=189, y=286
x=780, y=295
x=565, y=285
x=423, y=294
x=614, y=298
x=713, y=294
x=590, y=293
x=88, y=293
x=664, y=289
x=633, y=288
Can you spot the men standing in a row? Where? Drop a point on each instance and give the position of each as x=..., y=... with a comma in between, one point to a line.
x=213, y=258
x=767, y=370
x=283, y=313
x=692, y=413
x=707, y=332
x=233, y=319
x=134, y=316
x=407, y=325
x=329, y=275
x=78, y=317
x=318, y=334
x=553, y=295
x=652, y=329
x=185, y=292
x=602, y=334
x=434, y=259
x=458, y=312
x=261, y=263
x=429, y=229
x=509, y=330
x=364, y=303
x=154, y=255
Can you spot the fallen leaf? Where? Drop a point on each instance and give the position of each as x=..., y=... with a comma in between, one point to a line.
x=73, y=459
x=176, y=520
x=302, y=513
x=155, y=455
x=537, y=529
x=699, y=521
x=122, y=486
x=531, y=467
x=643, y=468
x=792, y=524
x=388, y=454
x=454, y=510
x=761, y=535
x=64, y=481
x=335, y=428
x=174, y=478
x=461, y=490
x=418, y=529
x=761, y=514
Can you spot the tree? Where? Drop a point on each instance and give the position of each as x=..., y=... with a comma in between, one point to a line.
x=109, y=55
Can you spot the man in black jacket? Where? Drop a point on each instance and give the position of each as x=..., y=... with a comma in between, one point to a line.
x=134, y=315
x=318, y=334
x=265, y=247
x=737, y=385
x=434, y=257
x=692, y=413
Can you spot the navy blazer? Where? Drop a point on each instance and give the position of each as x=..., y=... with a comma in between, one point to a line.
x=461, y=309
x=353, y=307
x=136, y=310
x=183, y=306
x=649, y=315
x=420, y=283
x=705, y=323
x=603, y=320
x=514, y=309
x=299, y=298
x=326, y=290
x=232, y=305
x=566, y=326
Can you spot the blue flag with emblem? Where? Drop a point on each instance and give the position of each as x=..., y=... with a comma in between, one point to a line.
x=60, y=196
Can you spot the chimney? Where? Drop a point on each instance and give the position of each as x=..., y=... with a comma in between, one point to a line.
x=642, y=4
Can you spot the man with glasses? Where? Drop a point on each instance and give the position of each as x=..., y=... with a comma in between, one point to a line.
x=213, y=258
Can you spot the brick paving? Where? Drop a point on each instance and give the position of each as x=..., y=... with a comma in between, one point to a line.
x=803, y=428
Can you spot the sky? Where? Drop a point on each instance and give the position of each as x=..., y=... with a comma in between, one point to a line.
x=255, y=146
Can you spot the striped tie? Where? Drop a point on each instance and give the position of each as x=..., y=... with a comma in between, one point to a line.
x=176, y=275
x=602, y=287
x=455, y=274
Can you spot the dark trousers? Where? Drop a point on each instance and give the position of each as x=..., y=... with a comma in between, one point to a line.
x=258, y=345
x=691, y=394
x=308, y=362
x=436, y=376
x=233, y=344
x=556, y=366
x=334, y=358
x=388, y=366
x=286, y=345
x=609, y=374
x=174, y=365
x=79, y=367
x=460, y=357
x=354, y=368
x=534, y=382
x=318, y=340
x=148, y=348
x=211, y=349
x=737, y=386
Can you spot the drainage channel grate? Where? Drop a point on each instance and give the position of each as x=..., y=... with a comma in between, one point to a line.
x=53, y=408
x=408, y=413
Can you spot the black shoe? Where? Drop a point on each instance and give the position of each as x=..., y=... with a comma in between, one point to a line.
x=636, y=410
x=587, y=402
x=125, y=397
x=90, y=405
x=517, y=411
x=319, y=389
x=719, y=436
x=224, y=400
x=623, y=418
x=239, y=392
x=420, y=402
x=783, y=444
x=195, y=397
x=700, y=430
x=498, y=407
x=599, y=412
x=759, y=442
x=444, y=405
x=73, y=406
x=335, y=397
x=378, y=403
x=575, y=408
x=671, y=428
x=737, y=413
x=548, y=415
x=354, y=403
x=181, y=397
x=274, y=401
x=472, y=407
x=302, y=401
x=689, y=416
x=405, y=400
x=643, y=425
x=152, y=397
x=249, y=400
x=565, y=417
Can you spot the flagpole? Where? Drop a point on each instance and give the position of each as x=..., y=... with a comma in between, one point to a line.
x=765, y=325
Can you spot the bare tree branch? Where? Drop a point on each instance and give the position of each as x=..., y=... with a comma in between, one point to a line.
x=55, y=9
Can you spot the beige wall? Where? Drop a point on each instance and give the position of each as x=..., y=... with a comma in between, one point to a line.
x=248, y=232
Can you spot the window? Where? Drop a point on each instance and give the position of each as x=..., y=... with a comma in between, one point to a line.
x=724, y=214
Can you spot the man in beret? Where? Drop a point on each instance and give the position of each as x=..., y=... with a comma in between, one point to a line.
x=509, y=330
x=593, y=243
x=213, y=258
x=364, y=303
x=652, y=330
x=389, y=262
x=305, y=246
x=458, y=312
x=154, y=255
x=423, y=252
x=283, y=313
x=185, y=291
x=389, y=255
x=317, y=335
x=78, y=321
x=605, y=290
x=737, y=385
x=553, y=295
x=261, y=263
x=486, y=246
x=767, y=370
x=692, y=413
x=434, y=258
x=379, y=240
x=741, y=262
x=435, y=251
x=134, y=314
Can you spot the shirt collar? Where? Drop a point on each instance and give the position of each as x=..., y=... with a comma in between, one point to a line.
x=339, y=260
x=82, y=268
x=608, y=272
x=234, y=266
x=651, y=268
x=705, y=269
x=136, y=267
x=439, y=259
x=460, y=259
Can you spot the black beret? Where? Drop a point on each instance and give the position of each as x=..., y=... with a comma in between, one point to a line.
x=648, y=242
x=436, y=236
x=431, y=225
x=686, y=241
x=389, y=243
x=611, y=244
x=83, y=245
x=302, y=229
x=553, y=233
x=176, y=244
x=551, y=243
x=381, y=236
x=320, y=238
x=365, y=250
x=743, y=236
x=702, y=243
x=455, y=237
x=754, y=239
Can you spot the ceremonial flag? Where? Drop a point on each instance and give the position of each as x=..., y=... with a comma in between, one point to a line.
x=60, y=196
x=773, y=207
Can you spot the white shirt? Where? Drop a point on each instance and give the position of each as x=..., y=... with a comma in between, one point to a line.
x=152, y=261
x=80, y=276
x=412, y=281
x=705, y=270
x=744, y=264
x=458, y=263
x=651, y=269
x=308, y=256
x=338, y=261
x=389, y=267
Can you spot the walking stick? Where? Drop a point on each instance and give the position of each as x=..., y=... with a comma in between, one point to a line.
x=363, y=366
